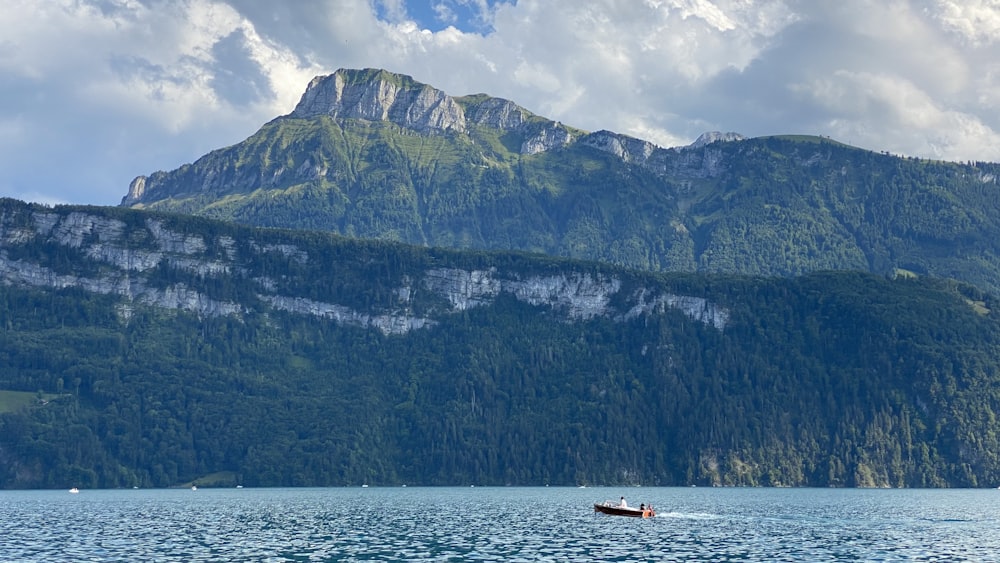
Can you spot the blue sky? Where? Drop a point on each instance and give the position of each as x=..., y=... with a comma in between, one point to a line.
x=96, y=92
x=468, y=16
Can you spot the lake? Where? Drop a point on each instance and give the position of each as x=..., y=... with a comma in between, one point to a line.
x=499, y=524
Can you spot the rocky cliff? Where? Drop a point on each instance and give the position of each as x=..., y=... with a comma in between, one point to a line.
x=126, y=256
x=694, y=161
x=378, y=95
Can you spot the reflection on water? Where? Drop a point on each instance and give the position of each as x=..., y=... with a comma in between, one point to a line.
x=490, y=524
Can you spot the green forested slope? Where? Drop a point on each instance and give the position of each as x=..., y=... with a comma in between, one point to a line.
x=831, y=379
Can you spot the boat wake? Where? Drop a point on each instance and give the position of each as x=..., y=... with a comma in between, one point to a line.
x=688, y=515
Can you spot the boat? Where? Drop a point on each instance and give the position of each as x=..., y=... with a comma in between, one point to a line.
x=614, y=509
x=74, y=490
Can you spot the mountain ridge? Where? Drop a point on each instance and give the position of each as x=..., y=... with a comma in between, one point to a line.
x=379, y=95
x=372, y=154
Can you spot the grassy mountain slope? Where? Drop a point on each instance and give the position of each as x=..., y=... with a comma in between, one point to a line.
x=164, y=349
x=780, y=205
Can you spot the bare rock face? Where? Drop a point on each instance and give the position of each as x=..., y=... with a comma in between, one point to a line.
x=378, y=95
x=629, y=149
x=136, y=189
x=498, y=114
x=117, y=265
x=381, y=97
x=697, y=160
x=573, y=295
x=546, y=139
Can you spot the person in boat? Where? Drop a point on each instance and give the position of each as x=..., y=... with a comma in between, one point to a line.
x=622, y=503
x=642, y=506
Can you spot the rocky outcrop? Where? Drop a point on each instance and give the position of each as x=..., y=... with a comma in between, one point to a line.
x=629, y=149
x=697, y=160
x=715, y=137
x=386, y=323
x=378, y=95
x=115, y=257
x=573, y=295
x=136, y=189
x=496, y=113
x=546, y=138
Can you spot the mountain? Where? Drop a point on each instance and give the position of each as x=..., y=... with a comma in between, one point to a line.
x=149, y=349
x=372, y=154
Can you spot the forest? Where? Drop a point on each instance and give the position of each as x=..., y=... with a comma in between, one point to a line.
x=840, y=379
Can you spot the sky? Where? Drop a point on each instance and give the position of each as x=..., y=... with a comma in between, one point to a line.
x=96, y=92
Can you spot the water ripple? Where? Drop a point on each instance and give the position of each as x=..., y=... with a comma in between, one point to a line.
x=495, y=524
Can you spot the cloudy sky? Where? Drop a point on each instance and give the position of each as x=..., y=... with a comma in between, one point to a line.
x=96, y=92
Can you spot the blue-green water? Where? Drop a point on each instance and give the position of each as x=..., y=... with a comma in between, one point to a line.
x=499, y=524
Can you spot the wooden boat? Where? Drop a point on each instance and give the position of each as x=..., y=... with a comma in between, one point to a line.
x=608, y=507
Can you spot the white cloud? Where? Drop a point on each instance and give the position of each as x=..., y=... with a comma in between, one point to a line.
x=115, y=88
x=444, y=13
x=910, y=121
x=977, y=21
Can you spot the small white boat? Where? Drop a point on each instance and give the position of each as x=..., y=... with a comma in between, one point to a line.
x=74, y=490
x=616, y=509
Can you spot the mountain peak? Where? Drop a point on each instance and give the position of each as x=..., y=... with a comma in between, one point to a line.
x=380, y=95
